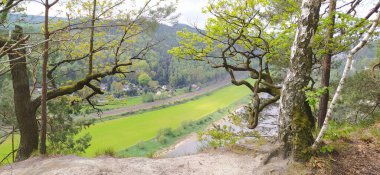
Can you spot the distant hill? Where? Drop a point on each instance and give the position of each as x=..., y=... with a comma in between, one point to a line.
x=164, y=68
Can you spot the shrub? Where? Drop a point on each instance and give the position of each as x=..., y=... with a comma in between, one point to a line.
x=141, y=145
x=148, y=97
x=187, y=124
x=163, y=134
x=163, y=95
x=166, y=132
x=106, y=152
x=326, y=149
x=220, y=137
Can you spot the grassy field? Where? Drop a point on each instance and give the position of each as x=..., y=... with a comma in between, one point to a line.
x=6, y=148
x=123, y=103
x=129, y=101
x=166, y=137
x=125, y=132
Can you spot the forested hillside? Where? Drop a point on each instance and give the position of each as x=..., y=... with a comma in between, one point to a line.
x=159, y=65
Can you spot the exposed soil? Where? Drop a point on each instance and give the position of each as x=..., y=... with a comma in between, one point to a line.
x=360, y=158
x=359, y=154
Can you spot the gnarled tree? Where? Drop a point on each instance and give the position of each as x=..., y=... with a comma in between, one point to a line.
x=240, y=38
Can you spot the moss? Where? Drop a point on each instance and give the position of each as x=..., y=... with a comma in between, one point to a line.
x=302, y=137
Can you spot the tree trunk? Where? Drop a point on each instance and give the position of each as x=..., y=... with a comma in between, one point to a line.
x=326, y=64
x=24, y=111
x=44, y=81
x=91, y=53
x=296, y=121
x=342, y=81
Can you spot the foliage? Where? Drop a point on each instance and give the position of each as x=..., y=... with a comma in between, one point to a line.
x=339, y=130
x=342, y=39
x=239, y=38
x=360, y=96
x=220, y=137
x=162, y=95
x=247, y=19
x=62, y=137
x=314, y=95
x=106, y=152
x=148, y=97
x=326, y=149
x=7, y=116
x=117, y=89
x=144, y=79
x=162, y=135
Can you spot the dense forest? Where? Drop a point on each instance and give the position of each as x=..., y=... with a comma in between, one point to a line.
x=310, y=67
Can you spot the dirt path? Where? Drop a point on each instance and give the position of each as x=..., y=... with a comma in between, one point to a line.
x=158, y=103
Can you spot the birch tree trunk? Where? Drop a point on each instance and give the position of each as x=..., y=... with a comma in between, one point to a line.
x=347, y=68
x=296, y=121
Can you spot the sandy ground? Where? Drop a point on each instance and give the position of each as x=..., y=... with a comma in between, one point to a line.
x=215, y=162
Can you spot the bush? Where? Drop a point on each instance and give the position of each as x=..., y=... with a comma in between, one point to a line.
x=148, y=97
x=163, y=134
x=220, y=137
x=337, y=131
x=163, y=95
x=166, y=132
x=162, y=139
x=62, y=137
x=106, y=152
x=187, y=124
x=141, y=145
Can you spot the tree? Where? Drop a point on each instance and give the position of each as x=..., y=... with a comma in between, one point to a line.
x=117, y=50
x=326, y=63
x=5, y=8
x=144, y=79
x=342, y=81
x=45, y=59
x=296, y=120
x=63, y=138
x=239, y=39
x=23, y=107
x=338, y=31
x=117, y=88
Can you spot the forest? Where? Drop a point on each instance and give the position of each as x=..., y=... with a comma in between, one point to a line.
x=260, y=82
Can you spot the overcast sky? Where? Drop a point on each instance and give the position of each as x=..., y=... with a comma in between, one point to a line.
x=190, y=10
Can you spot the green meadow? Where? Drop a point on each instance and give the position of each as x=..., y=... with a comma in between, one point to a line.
x=125, y=132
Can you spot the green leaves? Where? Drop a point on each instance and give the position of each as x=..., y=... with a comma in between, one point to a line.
x=348, y=30
x=313, y=96
x=144, y=79
x=247, y=26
